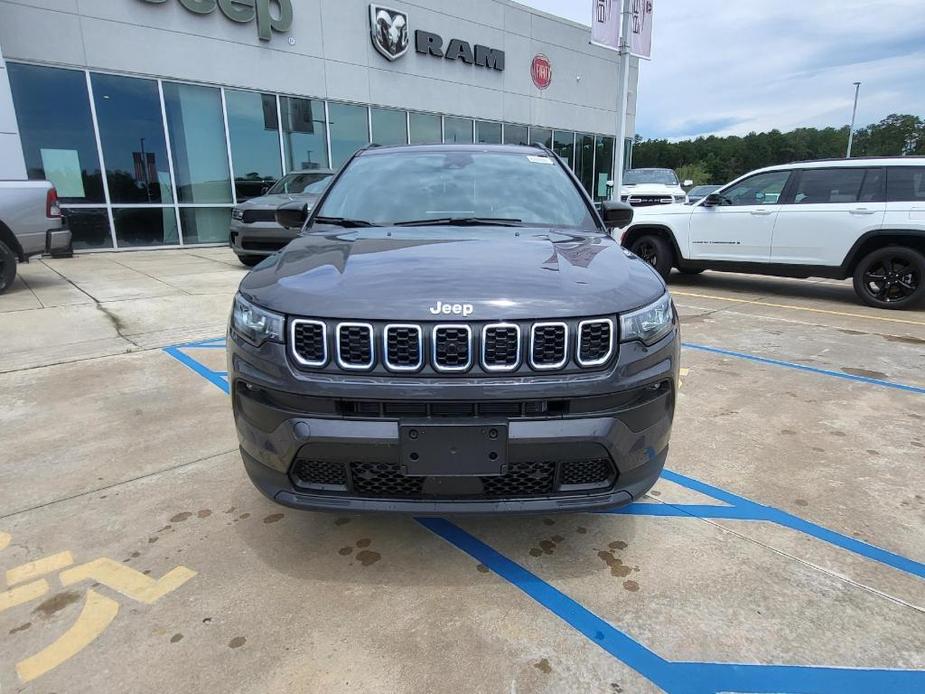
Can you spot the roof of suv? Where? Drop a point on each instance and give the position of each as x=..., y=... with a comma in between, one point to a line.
x=913, y=160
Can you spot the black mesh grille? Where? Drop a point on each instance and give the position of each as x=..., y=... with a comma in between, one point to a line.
x=594, y=341
x=319, y=472
x=502, y=347
x=522, y=479
x=451, y=348
x=355, y=345
x=384, y=480
x=591, y=471
x=549, y=344
x=403, y=346
x=251, y=216
x=308, y=342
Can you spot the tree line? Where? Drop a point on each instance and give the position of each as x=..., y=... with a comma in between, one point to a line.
x=720, y=159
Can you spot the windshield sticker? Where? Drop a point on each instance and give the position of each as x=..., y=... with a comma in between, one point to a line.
x=539, y=160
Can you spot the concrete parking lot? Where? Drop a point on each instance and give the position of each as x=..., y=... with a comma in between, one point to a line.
x=784, y=549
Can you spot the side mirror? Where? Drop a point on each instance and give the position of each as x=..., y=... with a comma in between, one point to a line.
x=714, y=200
x=292, y=215
x=688, y=183
x=616, y=214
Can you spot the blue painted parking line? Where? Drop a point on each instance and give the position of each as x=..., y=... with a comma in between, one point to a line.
x=803, y=367
x=672, y=676
x=219, y=378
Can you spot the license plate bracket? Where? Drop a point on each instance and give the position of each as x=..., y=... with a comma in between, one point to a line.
x=450, y=450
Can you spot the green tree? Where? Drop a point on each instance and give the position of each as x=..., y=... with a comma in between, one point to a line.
x=696, y=172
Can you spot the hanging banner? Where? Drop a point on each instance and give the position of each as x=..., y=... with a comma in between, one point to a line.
x=641, y=29
x=605, y=23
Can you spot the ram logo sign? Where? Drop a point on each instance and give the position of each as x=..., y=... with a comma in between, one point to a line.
x=271, y=15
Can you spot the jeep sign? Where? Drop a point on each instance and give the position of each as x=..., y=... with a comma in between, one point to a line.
x=244, y=11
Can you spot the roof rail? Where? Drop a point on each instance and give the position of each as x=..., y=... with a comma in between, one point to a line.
x=866, y=157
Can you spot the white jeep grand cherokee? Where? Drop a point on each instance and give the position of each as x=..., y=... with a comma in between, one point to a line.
x=860, y=218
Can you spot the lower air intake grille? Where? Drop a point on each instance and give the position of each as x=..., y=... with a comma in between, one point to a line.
x=452, y=347
x=592, y=471
x=595, y=340
x=319, y=472
x=384, y=480
x=355, y=345
x=522, y=479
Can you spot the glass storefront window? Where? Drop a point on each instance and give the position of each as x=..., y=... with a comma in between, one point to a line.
x=253, y=126
x=56, y=130
x=515, y=134
x=349, y=131
x=128, y=110
x=303, y=133
x=584, y=160
x=145, y=226
x=564, y=145
x=487, y=132
x=457, y=129
x=541, y=135
x=425, y=128
x=197, y=142
x=603, y=165
x=390, y=127
x=205, y=224
x=89, y=227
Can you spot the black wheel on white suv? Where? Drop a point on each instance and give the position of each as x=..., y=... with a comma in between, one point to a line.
x=7, y=267
x=656, y=251
x=891, y=277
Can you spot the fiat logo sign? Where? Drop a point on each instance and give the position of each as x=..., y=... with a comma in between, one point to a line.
x=541, y=71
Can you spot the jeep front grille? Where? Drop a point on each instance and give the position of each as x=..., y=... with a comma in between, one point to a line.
x=549, y=345
x=355, y=346
x=595, y=341
x=403, y=347
x=251, y=216
x=309, y=342
x=501, y=347
x=452, y=347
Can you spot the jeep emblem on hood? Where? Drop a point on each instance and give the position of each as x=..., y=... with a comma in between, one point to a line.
x=455, y=309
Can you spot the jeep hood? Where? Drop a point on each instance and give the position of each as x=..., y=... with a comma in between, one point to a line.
x=271, y=202
x=399, y=273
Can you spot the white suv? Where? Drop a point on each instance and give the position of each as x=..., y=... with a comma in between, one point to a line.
x=861, y=218
x=644, y=187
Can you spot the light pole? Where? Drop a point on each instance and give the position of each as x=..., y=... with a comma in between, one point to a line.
x=854, y=112
x=622, y=89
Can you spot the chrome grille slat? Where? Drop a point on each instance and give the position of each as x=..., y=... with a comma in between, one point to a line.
x=308, y=340
x=403, y=347
x=355, y=346
x=451, y=347
x=546, y=352
x=595, y=342
x=501, y=347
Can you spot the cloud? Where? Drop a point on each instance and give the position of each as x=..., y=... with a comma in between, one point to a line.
x=723, y=67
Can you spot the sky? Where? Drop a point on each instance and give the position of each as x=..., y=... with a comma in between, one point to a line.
x=729, y=67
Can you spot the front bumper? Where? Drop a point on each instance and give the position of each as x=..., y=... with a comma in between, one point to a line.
x=284, y=417
x=258, y=238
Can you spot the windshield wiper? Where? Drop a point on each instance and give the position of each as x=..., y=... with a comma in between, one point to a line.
x=461, y=222
x=344, y=222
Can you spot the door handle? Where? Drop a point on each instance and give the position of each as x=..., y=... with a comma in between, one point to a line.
x=861, y=210
x=761, y=212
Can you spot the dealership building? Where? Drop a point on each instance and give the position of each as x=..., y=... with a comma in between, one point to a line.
x=153, y=118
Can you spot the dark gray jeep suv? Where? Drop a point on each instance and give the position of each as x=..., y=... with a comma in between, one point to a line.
x=454, y=331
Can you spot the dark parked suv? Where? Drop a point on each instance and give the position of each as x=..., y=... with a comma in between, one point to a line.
x=454, y=331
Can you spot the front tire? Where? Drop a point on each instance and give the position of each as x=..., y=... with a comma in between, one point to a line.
x=250, y=260
x=656, y=251
x=689, y=271
x=891, y=277
x=7, y=267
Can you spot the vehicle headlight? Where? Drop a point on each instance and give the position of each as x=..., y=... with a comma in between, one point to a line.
x=237, y=213
x=648, y=324
x=255, y=324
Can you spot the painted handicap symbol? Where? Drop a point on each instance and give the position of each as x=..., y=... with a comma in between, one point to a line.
x=27, y=582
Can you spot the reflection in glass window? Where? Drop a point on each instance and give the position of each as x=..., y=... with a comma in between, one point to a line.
x=487, y=132
x=457, y=129
x=541, y=135
x=145, y=226
x=564, y=145
x=389, y=126
x=254, y=130
x=132, y=132
x=53, y=111
x=349, y=131
x=584, y=160
x=425, y=129
x=197, y=141
x=205, y=224
x=303, y=133
x=515, y=134
x=89, y=227
x=603, y=165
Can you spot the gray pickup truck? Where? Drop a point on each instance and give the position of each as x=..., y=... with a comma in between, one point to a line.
x=30, y=224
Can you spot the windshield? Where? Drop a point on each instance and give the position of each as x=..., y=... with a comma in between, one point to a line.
x=703, y=190
x=661, y=176
x=400, y=186
x=295, y=183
